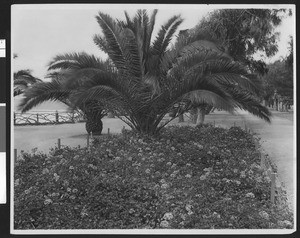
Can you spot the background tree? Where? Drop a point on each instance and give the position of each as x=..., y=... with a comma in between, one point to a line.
x=59, y=72
x=279, y=79
x=242, y=33
x=23, y=79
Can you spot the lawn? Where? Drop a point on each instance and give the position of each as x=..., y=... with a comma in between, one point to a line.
x=185, y=178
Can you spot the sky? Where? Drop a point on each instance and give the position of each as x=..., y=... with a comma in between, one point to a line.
x=40, y=32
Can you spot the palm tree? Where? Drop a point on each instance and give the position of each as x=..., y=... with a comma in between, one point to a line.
x=23, y=79
x=55, y=91
x=148, y=78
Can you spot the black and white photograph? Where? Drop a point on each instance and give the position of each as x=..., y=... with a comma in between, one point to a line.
x=153, y=119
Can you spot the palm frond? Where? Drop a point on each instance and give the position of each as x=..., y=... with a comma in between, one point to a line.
x=198, y=97
x=157, y=45
x=112, y=31
x=44, y=91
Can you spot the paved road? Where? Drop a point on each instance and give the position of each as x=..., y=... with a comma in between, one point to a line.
x=277, y=138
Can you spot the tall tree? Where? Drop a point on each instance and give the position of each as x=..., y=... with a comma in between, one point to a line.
x=244, y=32
x=148, y=78
x=279, y=78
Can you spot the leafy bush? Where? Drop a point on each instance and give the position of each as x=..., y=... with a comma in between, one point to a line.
x=201, y=178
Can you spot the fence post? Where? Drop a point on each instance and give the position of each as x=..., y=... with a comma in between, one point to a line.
x=58, y=143
x=56, y=117
x=214, y=123
x=88, y=141
x=108, y=131
x=15, y=155
x=273, y=187
x=234, y=123
x=37, y=118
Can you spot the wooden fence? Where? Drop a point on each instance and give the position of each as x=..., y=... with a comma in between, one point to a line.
x=47, y=117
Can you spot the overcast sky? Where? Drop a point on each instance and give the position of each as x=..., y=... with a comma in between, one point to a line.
x=39, y=32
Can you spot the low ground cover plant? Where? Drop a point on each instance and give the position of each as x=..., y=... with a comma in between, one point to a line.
x=185, y=178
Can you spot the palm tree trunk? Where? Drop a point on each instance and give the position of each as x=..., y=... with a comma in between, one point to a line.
x=180, y=118
x=110, y=114
x=193, y=114
x=201, y=116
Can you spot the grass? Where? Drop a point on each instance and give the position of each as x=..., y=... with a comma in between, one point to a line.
x=185, y=178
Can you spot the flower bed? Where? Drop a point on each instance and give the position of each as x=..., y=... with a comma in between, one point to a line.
x=199, y=178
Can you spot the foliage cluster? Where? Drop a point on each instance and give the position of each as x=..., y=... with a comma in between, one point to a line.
x=185, y=178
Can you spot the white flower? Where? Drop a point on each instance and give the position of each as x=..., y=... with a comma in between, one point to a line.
x=227, y=199
x=65, y=183
x=188, y=164
x=173, y=148
x=72, y=197
x=27, y=191
x=169, y=163
x=179, y=154
x=188, y=176
x=130, y=158
x=207, y=169
x=75, y=190
x=250, y=195
x=164, y=224
x=237, y=182
x=209, y=152
x=203, y=177
x=131, y=210
x=264, y=215
x=71, y=167
x=243, y=174
x=235, y=171
x=147, y=171
x=164, y=186
x=188, y=207
x=17, y=182
x=200, y=146
x=157, y=173
x=45, y=171
x=69, y=189
x=168, y=216
x=217, y=215
x=162, y=181
x=47, y=201
x=199, y=195
x=84, y=212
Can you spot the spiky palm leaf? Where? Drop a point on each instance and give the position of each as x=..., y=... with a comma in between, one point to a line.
x=22, y=80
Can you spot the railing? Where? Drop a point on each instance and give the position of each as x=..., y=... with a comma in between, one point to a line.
x=47, y=117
